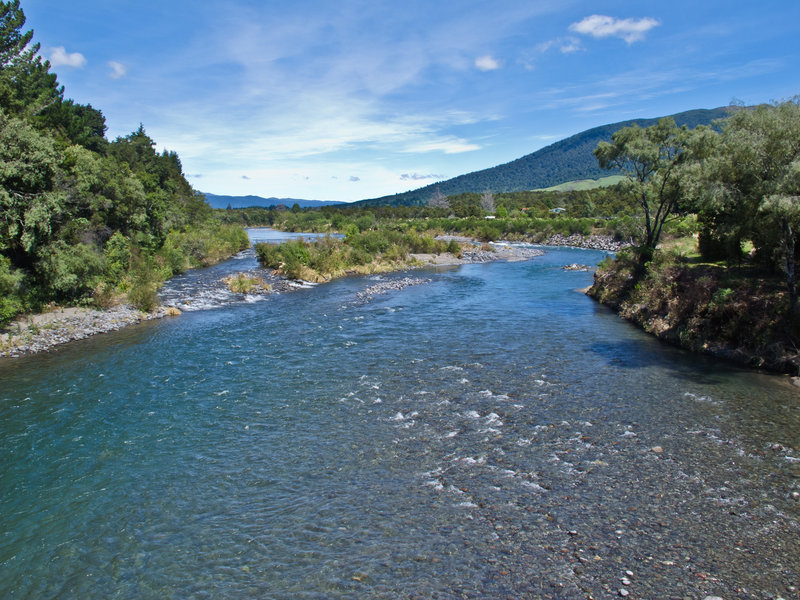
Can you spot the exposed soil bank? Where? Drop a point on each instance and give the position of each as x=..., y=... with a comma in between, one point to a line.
x=730, y=314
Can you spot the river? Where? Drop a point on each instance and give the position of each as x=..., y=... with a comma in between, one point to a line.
x=491, y=433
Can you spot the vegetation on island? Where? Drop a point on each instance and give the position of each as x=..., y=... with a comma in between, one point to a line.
x=731, y=288
x=370, y=250
x=84, y=219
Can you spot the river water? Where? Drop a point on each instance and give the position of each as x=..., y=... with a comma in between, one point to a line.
x=490, y=433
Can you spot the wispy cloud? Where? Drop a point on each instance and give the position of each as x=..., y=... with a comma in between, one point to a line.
x=601, y=26
x=487, y=63
x=565, y=45
x=353, y=179
x=419, y=176
x=448, y=146
x=59, y=57
x=118, y=70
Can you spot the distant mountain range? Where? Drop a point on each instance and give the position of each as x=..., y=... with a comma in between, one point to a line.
x=568, y=160
x=247, y=201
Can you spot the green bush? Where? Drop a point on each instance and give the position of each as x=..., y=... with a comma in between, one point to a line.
x=144, y=281
x=118, y=256
x=10, y=291
x=69, y=271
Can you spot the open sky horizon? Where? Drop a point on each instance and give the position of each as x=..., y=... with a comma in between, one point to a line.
x=354, y=99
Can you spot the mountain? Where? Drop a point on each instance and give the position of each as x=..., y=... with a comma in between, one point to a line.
x=567, y=160
x=247, y=201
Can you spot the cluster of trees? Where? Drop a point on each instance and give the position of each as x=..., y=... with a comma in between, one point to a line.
x=83, y=218
x=742, y=180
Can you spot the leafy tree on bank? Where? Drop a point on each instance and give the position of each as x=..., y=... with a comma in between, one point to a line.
x=651, y=161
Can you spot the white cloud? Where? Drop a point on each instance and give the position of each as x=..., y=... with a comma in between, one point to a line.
x=118, y=70
x=59, y=57
x=600, y=26
x=487, y=63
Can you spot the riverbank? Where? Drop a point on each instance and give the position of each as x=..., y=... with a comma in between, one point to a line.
x=42, y=332
x=733, y=314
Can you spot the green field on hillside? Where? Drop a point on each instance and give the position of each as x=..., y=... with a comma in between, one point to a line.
x=583, y=184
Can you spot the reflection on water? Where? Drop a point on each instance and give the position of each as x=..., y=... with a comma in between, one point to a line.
x=268, y=235
x=489, y=434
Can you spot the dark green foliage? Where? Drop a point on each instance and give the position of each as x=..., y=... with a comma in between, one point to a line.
x=82, y=218
x=10, y=291
x=68, y=271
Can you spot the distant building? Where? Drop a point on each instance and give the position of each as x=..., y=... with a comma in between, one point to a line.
x=558, y=210
x=490, y=217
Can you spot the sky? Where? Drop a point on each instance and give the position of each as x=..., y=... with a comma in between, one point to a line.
x=358, y=99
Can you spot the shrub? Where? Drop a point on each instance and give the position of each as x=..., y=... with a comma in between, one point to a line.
x=242, y=283
x=118, y=256
x=144, y=282
x=69, y=271
x=10, y=291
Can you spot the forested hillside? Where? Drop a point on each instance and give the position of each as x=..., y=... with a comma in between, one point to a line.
x=567, y=160
x=85, y=219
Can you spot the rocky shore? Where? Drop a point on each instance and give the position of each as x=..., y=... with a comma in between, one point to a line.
x=593, y=242
x=42, y=332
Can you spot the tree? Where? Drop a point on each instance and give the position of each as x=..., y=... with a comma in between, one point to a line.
x=26, y=84
x=30, y=204
x=750, y=185
x=650, y=159
x=438, y=200
x=487, y=201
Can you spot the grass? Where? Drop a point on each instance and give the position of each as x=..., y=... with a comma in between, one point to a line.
x=580, y=185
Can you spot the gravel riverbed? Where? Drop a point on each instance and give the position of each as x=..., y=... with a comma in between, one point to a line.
x=44, y=331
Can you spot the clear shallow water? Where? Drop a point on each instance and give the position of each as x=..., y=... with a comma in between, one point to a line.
x=490, y=434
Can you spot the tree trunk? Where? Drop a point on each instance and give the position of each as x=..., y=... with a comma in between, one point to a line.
x=791, y=282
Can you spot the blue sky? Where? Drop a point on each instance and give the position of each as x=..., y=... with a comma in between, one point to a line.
x=356, y=99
